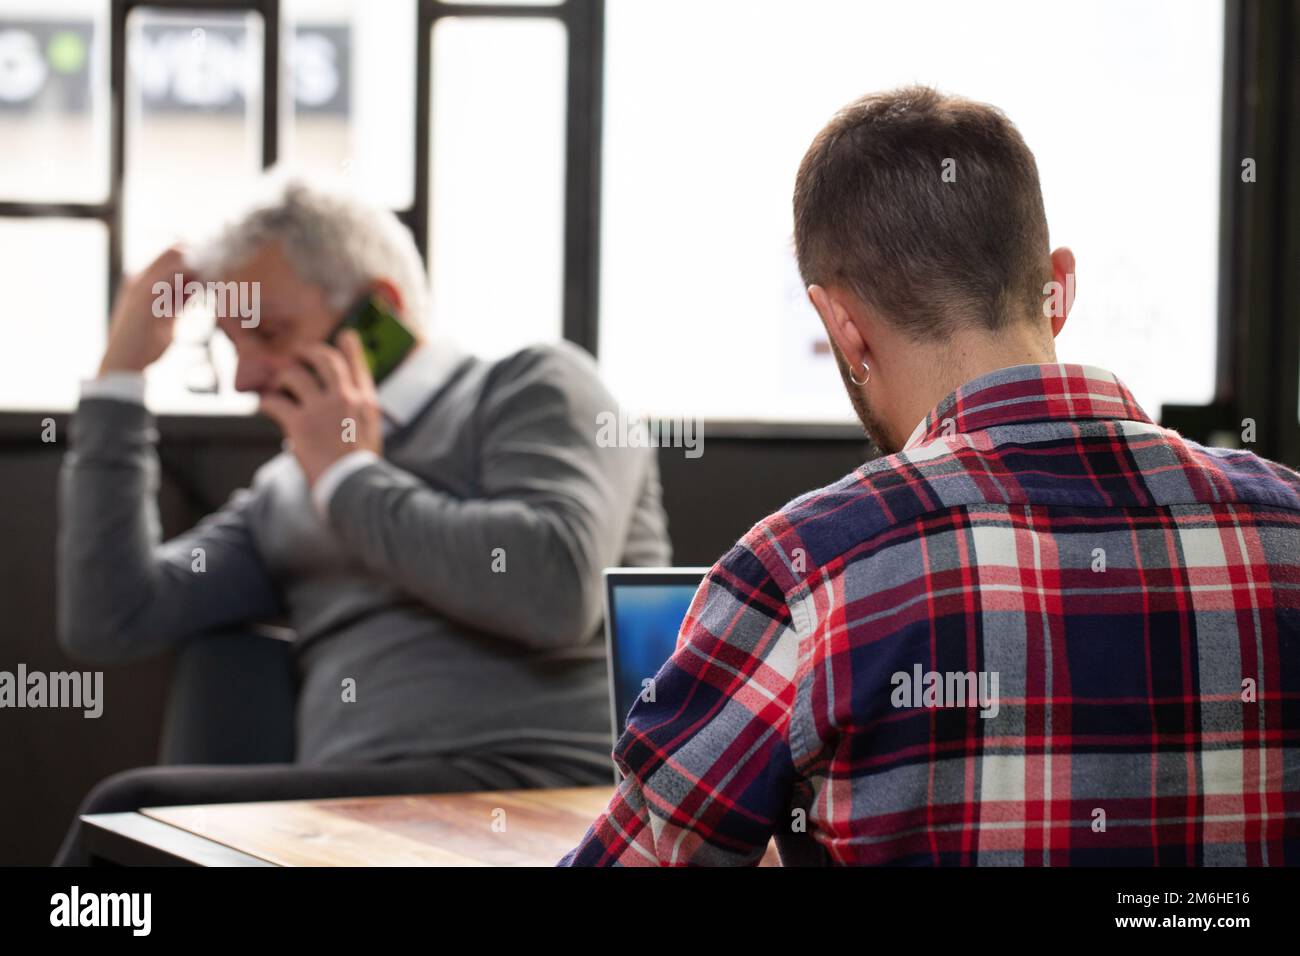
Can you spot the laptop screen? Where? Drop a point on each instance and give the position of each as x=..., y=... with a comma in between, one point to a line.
x=644, y=615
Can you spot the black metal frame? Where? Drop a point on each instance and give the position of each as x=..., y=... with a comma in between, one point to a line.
x=1258, y=361
x=1258, y=357
x=109, y=212
x=584, y=20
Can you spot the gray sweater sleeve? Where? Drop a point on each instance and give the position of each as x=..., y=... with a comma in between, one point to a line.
x=122, y=594
x=522, y=559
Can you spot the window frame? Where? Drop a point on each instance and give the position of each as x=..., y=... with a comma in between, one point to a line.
x=1258, y=352
x=584, y=22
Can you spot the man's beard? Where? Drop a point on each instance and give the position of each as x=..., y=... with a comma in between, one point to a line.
x=874, y=427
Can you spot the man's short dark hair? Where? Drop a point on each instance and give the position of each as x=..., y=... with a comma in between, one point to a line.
x=874, y=212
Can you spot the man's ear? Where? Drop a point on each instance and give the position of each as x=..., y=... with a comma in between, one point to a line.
x=389, y=293
x=843, y=331
x=1064, y=277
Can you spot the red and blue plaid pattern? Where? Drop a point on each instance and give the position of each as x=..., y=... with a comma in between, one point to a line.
x=1132, y=597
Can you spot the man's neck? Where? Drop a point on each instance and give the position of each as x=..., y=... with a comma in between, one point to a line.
x=968, y=356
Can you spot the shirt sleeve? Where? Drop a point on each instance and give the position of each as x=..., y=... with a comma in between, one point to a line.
x=119, y=386
x=709, y=775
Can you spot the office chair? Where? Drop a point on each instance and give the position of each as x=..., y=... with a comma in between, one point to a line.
x=231, y=700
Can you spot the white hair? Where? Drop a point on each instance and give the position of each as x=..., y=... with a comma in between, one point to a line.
x=333, y=240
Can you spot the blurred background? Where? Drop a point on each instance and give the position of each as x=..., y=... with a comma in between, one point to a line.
x=616, y=173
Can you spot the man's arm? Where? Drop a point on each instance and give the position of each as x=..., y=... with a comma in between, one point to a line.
x=709, y=775
x=122, y=594
x=522, y=559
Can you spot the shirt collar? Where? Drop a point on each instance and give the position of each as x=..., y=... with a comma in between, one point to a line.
x=408, y=388
x=1027, y=393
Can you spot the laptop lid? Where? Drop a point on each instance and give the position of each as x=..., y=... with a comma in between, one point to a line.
x=644, y=610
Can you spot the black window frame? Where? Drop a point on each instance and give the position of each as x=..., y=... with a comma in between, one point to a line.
x=1258, y=339
x=584, y=23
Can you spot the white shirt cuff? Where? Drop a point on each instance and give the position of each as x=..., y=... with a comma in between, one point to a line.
x=121, y=386
x=335, y=475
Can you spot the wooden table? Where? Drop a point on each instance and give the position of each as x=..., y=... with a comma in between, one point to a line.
x=497, y=828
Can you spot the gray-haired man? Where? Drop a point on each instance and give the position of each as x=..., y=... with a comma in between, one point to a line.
x=439, y=561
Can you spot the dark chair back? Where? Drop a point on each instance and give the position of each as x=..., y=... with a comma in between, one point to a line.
x=231, y=700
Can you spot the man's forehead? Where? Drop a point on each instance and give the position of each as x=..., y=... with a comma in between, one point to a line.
x=264, y=259
x=282, y=290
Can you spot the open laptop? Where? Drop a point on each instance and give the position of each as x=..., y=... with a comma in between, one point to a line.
x=644, y=610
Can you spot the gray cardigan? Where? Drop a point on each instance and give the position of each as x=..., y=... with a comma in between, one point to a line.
x=402, y=589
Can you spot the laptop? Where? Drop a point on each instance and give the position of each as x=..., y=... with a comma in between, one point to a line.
x=644, y=610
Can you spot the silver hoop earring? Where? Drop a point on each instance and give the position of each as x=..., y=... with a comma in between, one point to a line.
x=866, y=368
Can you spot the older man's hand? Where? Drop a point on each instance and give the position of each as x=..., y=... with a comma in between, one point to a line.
x=143, y=323
x=326, y=405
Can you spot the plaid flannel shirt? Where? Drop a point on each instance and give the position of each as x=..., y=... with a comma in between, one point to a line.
x=1046, y=632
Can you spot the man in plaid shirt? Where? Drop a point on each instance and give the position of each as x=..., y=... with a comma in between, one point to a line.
x=1043, y=631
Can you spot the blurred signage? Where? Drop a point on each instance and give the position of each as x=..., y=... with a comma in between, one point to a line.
x=183, y=67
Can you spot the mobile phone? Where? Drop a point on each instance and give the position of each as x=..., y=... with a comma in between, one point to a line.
x=384, y=339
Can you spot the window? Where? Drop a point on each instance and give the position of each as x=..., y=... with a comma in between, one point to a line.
x=496, y=253
x=351, y=102
x=709, y=108
x=470, y=135
x=53, y=328
x=534, y=148
x=193, y=128
x=53, y=102
x=54, y=130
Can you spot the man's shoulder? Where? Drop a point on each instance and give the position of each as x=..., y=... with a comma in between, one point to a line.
x=544, y=362
x=555, y=376
x=818, y=529
x=813, y=530
x=899, y=477
x=1244, y=476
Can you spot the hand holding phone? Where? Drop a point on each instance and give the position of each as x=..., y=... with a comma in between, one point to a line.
x=385, y=340
x=326, y=404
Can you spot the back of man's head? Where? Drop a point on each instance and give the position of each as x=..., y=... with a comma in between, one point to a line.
x=927, y=207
